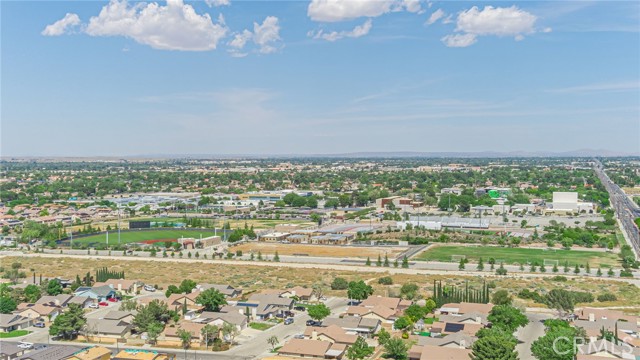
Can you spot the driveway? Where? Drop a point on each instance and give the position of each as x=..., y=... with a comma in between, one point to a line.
x=527, y=335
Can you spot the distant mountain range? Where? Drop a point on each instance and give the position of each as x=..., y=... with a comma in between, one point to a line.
x=352, y=155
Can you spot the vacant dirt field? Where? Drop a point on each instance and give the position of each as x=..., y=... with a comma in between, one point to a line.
x=252, y=277
x=320, y=250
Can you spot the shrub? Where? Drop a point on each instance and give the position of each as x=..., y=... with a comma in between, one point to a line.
x=607, y=297
x=582, y=297
x=559, y=278
x=339, y=284
x=385, y=280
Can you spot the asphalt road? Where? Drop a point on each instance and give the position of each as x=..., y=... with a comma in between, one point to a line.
x=528, y=334
x=626, y=210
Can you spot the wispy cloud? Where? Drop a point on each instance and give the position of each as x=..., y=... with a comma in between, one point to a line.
x=599, y=87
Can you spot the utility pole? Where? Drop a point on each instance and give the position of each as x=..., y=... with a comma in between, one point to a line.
x=118, y=223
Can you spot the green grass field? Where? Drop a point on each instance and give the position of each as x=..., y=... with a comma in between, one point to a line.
x=519, y=256
x=14, y=333
x=138, y=236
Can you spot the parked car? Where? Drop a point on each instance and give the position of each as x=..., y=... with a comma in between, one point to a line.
x=280, y=316
x=313, y=323
x=25, y=345
x=94, y=306
x=39, y=324
x=300, y=308
x=288, y=321
x=149, y=288
x=103, y=303
x=288, y=313
x=112, y=299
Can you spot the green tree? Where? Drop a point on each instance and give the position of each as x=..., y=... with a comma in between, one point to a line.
x=409, y=291
x=210, y=333
x=229, y=331
x=318, y=312
x=154, y=329
x=557, y=343
x=273, y=341
x=359, y=290
x=507, y=317
x=368, y=262
x=32, y=293
x=379, y=261
x=339, y=284
x=383, y=336
x=359, y=350
x=69, y=323
x=185, y=338
x=211, y=299
x=54, y=287
x=494, y=345
x=396, y=349
x=405, y=263
x=156, y=311
x=501, y=297
x=415, y=312
x=403, y=323
x=461, y=264
x=276, y=257
x=7, y=305
x=186, y=286
x=480, y=264
x=561, y=300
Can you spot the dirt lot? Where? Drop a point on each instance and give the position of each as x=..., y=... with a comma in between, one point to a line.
x=320, y=250
x=251, y=277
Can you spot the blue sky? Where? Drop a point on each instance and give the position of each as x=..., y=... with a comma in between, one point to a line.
x=93, y=78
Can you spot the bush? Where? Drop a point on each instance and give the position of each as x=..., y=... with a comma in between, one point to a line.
x=385, y=280
x=582, y=297
x=339, y=284
x=558, y=278
x=531, y=295
x=607, y=297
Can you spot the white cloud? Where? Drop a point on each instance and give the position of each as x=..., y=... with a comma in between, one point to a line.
x=340, y=10
x=215, y=3
x=412, y=6
x=509, y=21
x=61, y=26
x=437, y=15
x=358, y=31
x=498, y=21
x=459, y=40
x=175, y=26
x=264, y=35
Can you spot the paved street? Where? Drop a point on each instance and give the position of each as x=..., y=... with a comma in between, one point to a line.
x=528, y=334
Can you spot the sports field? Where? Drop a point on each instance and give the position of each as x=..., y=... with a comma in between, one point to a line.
x=519, y=255
x=142, y=235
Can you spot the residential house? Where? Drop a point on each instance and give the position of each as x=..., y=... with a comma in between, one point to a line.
x=140, y=354
x=265, y=306
x=332, y=333
x=432, y=352
x=312, y=349
x=10, y=350
x=129, y=287
x=364, y=327
x=171, y=332
x=465, y=308
x=38, y=312
x=177, y=301
x=10, y=322
x=604, y=349
x=380, y=313
x=468, y=318
x=627, y=331
x=441, y=328
x=396, y=304
x=126, y=316
x=63, y=300
x=304, y=294
x=456, y=340
x=91, y=353
x=232, y=316
x=226, y=290
x=97, y=293
x=51, y=352
x=116, y=329
x=593, y=314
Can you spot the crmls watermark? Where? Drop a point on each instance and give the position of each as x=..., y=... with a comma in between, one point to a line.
x=581, y=347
